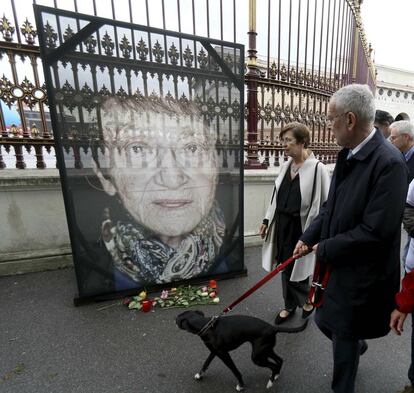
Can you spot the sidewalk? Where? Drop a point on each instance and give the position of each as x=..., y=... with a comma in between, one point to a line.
x=54, y=347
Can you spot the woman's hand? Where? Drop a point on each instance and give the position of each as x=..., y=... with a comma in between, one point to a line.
x=262, y=230
x=397, y=321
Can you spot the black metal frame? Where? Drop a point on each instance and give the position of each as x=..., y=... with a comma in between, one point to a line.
x=49, y=57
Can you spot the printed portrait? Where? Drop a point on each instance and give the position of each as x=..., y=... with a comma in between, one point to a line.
x=162, y=168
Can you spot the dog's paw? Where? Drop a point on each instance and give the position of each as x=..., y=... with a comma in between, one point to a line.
x=271, y=380
x=239, y=388
x=198, y=376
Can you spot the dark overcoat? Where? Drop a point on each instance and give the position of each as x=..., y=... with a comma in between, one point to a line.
x=410, y=165
x=358, y=231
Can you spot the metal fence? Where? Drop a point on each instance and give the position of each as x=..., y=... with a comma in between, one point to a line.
x=313, y=47
x=306, y=49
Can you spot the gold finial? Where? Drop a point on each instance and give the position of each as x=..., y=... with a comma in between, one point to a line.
x=34, y=131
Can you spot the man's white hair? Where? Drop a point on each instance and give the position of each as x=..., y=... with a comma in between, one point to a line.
x=357, y=99
x=403, y=127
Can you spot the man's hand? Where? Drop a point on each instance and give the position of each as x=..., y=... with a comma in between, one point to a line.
x=262, y=230
x=301, y=249
x=397, y=322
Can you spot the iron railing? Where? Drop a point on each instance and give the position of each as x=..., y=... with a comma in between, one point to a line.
x=306, y=50
x=314, y=47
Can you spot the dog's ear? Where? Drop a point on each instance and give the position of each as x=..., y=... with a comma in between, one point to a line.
x=179, y=319
x=186, y=326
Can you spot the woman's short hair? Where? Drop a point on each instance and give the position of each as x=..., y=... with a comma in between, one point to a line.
x=300, y=132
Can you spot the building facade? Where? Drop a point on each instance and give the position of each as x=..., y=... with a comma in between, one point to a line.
x=395, y=92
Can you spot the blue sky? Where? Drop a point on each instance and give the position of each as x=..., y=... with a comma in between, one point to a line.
x=10, y=115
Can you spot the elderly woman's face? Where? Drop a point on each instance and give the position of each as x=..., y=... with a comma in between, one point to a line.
x=164, y=173
x=292, y=147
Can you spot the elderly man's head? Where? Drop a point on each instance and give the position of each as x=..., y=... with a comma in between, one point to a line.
x=351, y=114
x=162, y=163
x=402, y=135
x=383, y=120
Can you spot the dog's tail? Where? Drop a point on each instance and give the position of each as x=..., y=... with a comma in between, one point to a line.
x=287, y=329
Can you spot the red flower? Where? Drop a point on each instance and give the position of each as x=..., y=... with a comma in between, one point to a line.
x=146, y=305
x=212, y=284
x=126, y=301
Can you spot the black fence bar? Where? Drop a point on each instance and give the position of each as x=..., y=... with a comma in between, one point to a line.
x=306, y=37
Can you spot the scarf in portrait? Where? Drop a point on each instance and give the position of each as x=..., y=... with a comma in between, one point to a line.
x=137, y=253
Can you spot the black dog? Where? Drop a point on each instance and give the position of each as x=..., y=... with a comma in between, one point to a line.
x=228, y=333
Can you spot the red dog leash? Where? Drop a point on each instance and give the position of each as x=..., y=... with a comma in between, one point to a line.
x=254, y=288
x=263, y=281
x=319, y=283
x=315, y=293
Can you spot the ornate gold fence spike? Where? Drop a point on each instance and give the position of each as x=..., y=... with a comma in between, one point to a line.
x=273, y=71
x=6, y=29
x=14, y=130
x=283, y=73
x=34, y=131
x=28, y=32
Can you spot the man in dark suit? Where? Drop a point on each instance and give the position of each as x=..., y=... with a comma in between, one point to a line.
x=357, y=233
x=383, y=121
x=402, y=137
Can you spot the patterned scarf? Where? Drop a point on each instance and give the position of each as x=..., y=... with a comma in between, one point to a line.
x=145, y=259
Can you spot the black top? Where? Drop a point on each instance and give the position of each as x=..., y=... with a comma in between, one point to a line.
x=289, y=227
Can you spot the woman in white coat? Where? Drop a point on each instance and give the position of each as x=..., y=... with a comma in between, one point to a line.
x=300, y=190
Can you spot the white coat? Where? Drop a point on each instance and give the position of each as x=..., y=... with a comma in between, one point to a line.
x=303, y=267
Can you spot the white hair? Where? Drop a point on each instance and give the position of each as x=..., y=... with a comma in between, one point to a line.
x=403, y=127
x=357, y=99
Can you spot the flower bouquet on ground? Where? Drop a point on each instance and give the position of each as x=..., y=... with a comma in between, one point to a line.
x=182, y=296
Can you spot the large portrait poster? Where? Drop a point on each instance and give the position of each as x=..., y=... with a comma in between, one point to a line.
x=148, y=129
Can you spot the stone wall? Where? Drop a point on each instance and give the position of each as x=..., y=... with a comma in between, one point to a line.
x=33, y=234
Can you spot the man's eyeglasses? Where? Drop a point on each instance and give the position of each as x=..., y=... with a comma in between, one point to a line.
x=394, y=137
x=330, y=119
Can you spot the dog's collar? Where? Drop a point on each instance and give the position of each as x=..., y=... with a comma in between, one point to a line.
x=208, y=325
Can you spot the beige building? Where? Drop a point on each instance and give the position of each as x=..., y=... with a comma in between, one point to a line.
x=395, y=91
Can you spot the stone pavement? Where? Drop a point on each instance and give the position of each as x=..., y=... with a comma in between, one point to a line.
x=49, y=346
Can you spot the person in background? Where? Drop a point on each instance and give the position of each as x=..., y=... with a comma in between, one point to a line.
x=299, y=191
x=405, y=298
x=356, y=236
x=382, y=122
x=402, y=137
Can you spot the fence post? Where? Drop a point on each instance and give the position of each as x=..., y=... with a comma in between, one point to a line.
x=252, y=76
x=355, y=40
